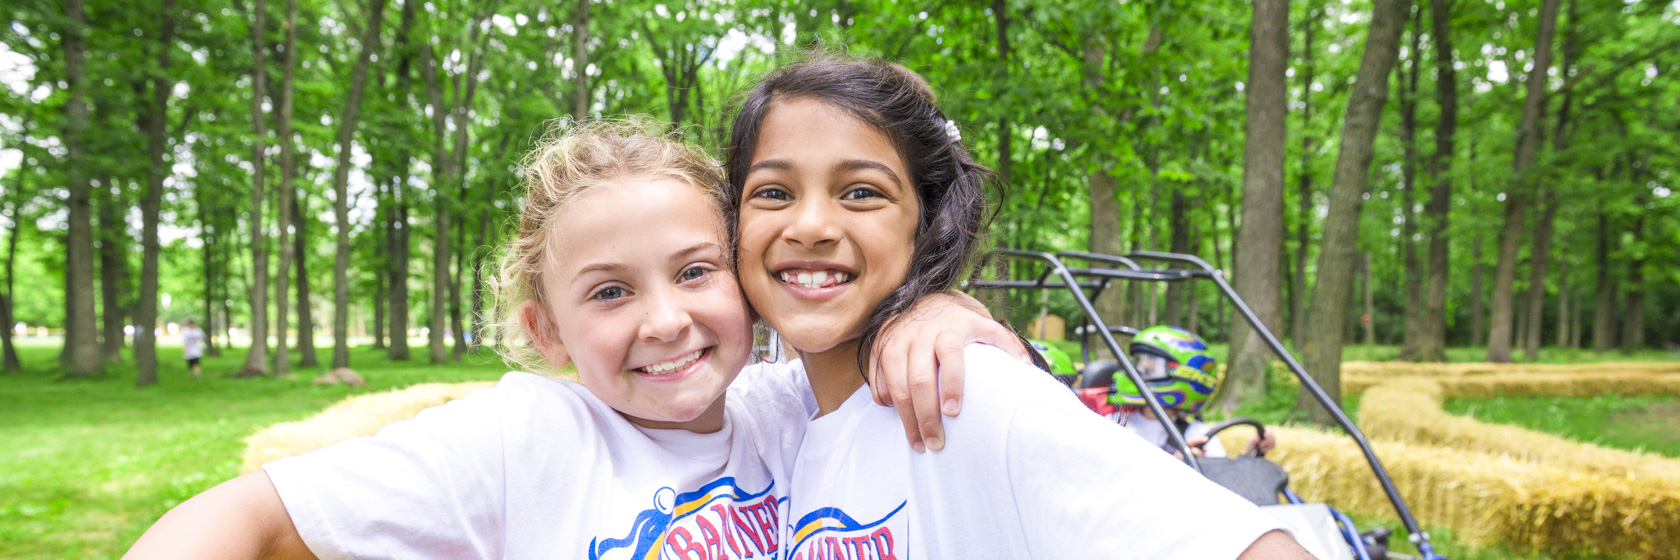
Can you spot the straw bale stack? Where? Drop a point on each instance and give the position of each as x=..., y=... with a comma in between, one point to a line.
x=353, y=417
x=1484, y=497
x=1410, y=410
x=1437, y=369
x=1585, y=384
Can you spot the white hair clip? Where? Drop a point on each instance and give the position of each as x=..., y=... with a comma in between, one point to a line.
x=951, y=130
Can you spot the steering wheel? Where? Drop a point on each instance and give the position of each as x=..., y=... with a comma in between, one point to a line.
x=1260, y=430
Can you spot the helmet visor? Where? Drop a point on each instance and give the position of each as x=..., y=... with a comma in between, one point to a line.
x=1152, y=367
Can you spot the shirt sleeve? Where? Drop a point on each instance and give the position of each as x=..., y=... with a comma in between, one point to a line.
x=1088, y=487
x=430, y=487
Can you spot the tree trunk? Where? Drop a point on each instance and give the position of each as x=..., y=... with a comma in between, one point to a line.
x=288, y=172
x=305, y=315
x=1303, y=227
x=1179, y=243
x=1103, y=191
x=81, y=353
x=1633, y=317
x=256, y=357
x=1414, y=315
x=1337, y=253
x=1604, y=306
x=442, y=170
x=113, y=271
x=397, y=274
x=1563, y=304
x=341, y=179
x=1538, y=260
x=1369, y=319
x=1517, y=200
x=151, y=202
x=580, y=61
x=207, y=232
x=8, y=353
x=1259, y=251
x=1433, y=346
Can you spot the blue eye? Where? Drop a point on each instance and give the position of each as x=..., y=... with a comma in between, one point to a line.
x=693, y=273
x=609, y=293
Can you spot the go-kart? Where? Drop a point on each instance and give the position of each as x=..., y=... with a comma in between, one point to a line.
x=1321, y=529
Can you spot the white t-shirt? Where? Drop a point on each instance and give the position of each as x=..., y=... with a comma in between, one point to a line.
x=538, y=467
x=1028, y=472
x=1151, y=431
x=192, y=343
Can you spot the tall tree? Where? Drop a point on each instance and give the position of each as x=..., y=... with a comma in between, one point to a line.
x=113, y=270
x=1303, y=229
x=256, y=357
x=305, y=314
x=1414, y=315
x=1338, y=254
x=1517, y=196
x=1259, y=248
x=398, y=238
x=1431, y=347
x=1604, y=306
x=288, y=171
x=9, y=203
x=341, y=184
x=151, y=201
x=81, y=342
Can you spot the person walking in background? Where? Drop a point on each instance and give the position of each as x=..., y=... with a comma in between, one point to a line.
x=192, y=346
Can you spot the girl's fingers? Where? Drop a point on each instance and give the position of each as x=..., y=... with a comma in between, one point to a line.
x=949, y=368
x=887, y=382
x=923, y=377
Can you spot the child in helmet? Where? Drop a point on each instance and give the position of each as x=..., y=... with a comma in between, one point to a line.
x=1177, y=366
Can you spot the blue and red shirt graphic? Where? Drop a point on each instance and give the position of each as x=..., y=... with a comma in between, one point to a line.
x=831, y=534
x=717, y=521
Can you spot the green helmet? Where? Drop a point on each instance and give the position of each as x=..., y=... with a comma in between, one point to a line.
x=1060, y=362
x=1176, y=364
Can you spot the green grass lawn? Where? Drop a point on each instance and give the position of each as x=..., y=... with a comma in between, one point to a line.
x=87, y=465
x=1645, y=423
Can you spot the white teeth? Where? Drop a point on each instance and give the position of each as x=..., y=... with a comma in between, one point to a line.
x=814, y=279
x=673, y=365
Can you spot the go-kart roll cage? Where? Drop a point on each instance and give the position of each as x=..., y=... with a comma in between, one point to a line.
x=1098, y=279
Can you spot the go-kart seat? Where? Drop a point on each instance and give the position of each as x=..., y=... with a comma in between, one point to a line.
x=1254, y=478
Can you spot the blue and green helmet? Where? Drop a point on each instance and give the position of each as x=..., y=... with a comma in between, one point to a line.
x=1177, y=366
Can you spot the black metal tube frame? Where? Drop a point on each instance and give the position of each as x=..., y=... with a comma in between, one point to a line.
x=1068, y=281
x=1203, y=270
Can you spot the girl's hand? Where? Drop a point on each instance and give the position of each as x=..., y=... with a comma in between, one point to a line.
x=919, y=369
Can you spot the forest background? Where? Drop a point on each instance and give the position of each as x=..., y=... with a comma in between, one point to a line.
x=1472, y=173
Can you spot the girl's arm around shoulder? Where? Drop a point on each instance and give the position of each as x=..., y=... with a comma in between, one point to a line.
x=240, y=518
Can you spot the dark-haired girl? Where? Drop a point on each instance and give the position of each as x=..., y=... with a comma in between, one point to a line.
x=856, y=198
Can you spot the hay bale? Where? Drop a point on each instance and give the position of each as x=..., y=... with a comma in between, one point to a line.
x=357, y=416
x=1410, y=410
x=1414, y=369
x=1485, y=497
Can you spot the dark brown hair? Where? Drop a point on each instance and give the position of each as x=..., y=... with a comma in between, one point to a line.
x=950, y=186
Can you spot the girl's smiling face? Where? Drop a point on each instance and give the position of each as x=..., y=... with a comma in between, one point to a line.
x=643, y=302
x=827, y=224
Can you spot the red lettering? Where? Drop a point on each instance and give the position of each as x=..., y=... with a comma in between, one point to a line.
x=883, y=540
x=682, y=550
x=747, y=530
x=728, y=535
x=765, y=513
x=857, y=545
x=714, y=545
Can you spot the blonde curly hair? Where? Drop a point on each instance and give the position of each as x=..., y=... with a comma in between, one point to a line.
x=572, y=159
